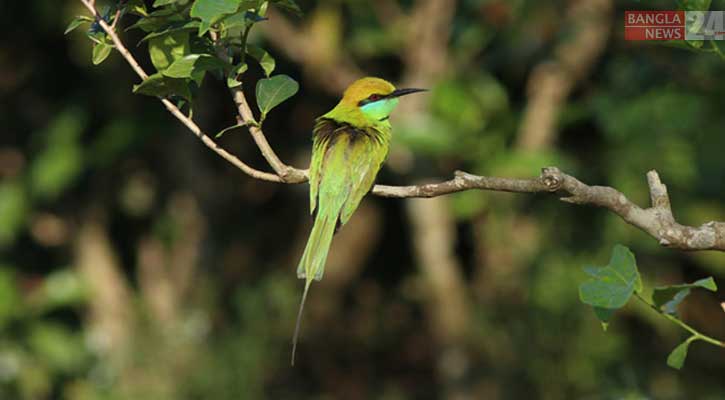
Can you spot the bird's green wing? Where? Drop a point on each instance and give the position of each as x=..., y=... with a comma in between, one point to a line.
x=367, y=154
x=321, y=135
x=345, y=162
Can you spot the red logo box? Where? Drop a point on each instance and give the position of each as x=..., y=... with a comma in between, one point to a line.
x=654, y=25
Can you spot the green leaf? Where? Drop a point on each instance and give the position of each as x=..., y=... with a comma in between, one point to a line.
x=159, y=20
x=136, y=7
x=273, y=91
x=263, y=58
x=612, y=285
x=289, y=5
x=101, y=51
x=233, y=78
x=243, y=17
x=211, y=11
x=76, y=22
x=162, y=86
x=161, y=3
x=164, y=50
x=677, y=357
x=624, y=262
x=192, y=65
x=604, y=315
x=175, y=27
x=236, y=21
x=706, y=283
x=667, y=298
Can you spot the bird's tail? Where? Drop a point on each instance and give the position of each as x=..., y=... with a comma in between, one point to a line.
x=312, y=264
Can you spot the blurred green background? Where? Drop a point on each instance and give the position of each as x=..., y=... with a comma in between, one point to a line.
x=137, y=264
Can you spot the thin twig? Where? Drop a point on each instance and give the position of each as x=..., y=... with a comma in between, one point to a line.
x=696, y=335
x=116, y=18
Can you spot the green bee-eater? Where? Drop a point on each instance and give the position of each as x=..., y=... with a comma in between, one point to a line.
x=350, y=144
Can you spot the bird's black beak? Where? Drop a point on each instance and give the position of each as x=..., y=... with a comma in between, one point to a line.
x=403, y=92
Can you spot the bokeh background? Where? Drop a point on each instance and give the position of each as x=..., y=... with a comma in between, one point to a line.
x=137, y=264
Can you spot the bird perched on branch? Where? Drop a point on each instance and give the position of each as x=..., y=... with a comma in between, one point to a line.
x=350, y=144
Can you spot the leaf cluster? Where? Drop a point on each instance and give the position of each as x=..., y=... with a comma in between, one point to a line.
x=188, y=40
x=613, y=285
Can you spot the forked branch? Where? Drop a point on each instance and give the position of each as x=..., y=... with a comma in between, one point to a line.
x=174, y=110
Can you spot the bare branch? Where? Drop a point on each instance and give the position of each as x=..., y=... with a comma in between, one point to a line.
x=188, y=122
x=657, y=220
x=462, y=181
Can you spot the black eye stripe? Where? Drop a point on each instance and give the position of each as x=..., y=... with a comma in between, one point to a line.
x=373, y=97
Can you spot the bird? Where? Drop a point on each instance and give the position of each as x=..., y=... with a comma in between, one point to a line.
x=349, y=145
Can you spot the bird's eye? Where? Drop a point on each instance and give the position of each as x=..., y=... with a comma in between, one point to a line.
x=374, y=97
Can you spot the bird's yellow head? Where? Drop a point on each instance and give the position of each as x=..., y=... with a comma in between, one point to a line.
x=363, y=88
x=373, y=99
